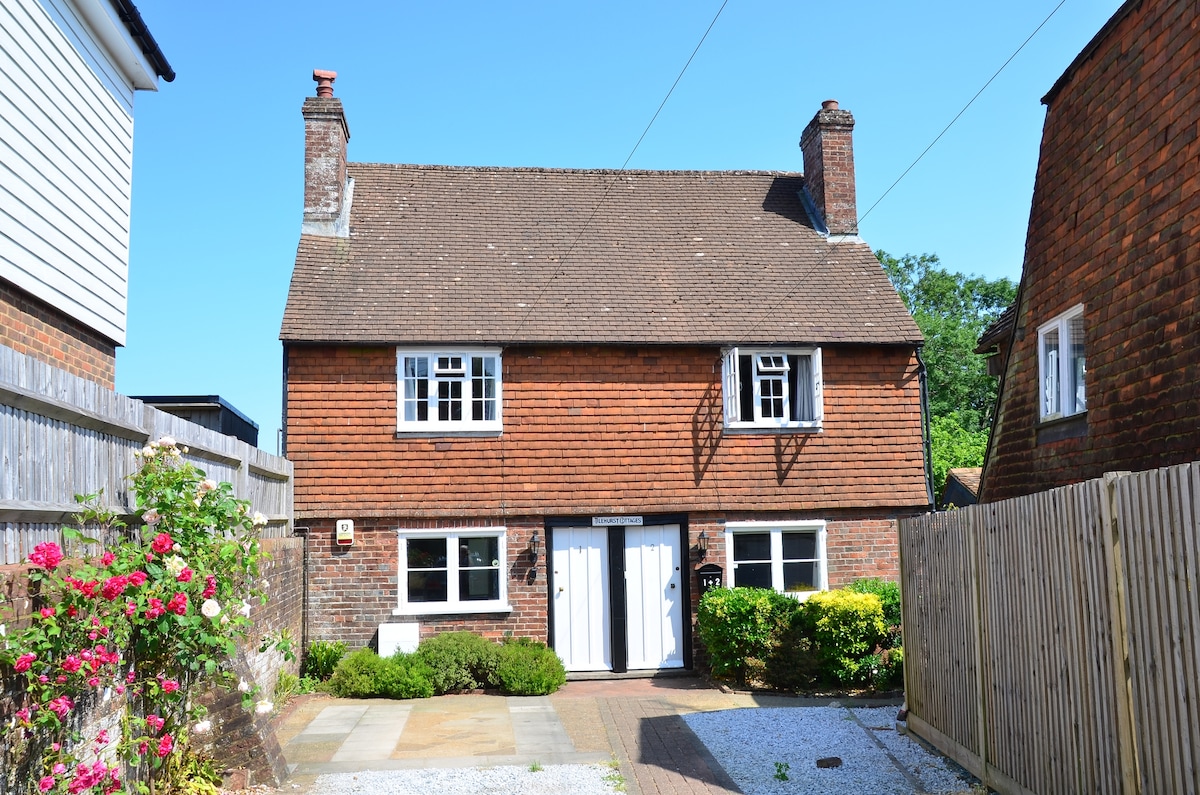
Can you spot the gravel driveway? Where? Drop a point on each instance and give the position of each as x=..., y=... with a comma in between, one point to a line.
x=758, y=747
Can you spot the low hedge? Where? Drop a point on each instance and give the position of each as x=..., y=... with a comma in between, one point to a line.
x=841, y=639
x=449, y=663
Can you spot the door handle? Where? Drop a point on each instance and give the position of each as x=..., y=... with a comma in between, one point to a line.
x=672, y=585
x=560, y=588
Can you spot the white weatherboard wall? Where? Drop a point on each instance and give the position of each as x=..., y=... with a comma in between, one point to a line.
x=66, y=156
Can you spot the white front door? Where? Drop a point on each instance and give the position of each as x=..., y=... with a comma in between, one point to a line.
x=579, y=560
x=653, y=597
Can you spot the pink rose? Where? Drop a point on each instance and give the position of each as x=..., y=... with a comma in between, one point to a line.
x=72, y=664
x=155, y=609
x=137, y=578
x=162, y=543
x=46, y=783
x=24, y=661
x=114, y=586
x=169, y=685
x=178, y=604
x=210, y=586
x=154, y=722
x=47, y=612
x=185, y=575
x=107, y=558
x=61, y=706
x=47, y=555
x=165, y=745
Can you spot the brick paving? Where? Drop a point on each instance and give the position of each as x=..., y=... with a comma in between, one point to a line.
x=659, y=754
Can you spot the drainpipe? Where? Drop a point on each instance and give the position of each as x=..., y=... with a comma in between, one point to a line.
x=923, y=379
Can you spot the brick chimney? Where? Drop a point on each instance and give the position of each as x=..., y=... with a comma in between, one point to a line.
x=829, y=167
x=327, y=191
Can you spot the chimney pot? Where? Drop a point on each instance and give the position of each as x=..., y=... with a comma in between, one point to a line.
x=829, y=104
x=324, y=80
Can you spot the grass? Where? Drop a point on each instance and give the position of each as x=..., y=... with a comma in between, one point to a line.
x=614, y=777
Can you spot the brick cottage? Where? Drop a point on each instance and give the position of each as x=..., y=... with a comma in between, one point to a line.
x=536, y=402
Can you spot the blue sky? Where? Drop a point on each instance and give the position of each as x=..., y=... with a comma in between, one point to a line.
x=218, y=153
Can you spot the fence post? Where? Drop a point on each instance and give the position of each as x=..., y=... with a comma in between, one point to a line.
x=1130, y=773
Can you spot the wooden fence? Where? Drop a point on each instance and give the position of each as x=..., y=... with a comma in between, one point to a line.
x=1052, y=642
x=61, y=436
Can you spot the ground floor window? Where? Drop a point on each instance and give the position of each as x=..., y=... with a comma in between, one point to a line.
x=788, y=557
x=452, y=571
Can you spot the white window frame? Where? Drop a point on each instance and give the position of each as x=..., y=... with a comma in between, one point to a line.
x=732, y=378
x=433, y=425
x=777, y=529
x=451, y=605
x=1055, y=374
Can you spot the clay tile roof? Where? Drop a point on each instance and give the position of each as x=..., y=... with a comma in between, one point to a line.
x=453, y=255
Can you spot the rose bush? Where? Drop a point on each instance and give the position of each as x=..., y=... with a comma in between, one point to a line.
x=156, y=613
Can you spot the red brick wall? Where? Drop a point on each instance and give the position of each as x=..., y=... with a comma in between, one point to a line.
x=34, y=328
x=600, y=430
x=1115, y=225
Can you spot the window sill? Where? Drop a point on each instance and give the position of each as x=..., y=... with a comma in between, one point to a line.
x=459, y=433
x=458, y=608
x=769, y=429
x=1060, y=428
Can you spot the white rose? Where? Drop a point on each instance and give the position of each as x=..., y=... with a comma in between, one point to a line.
x=245, y=609
x=211, y=608
x=203, y=727
x=208, y=484
x=147, y=452
x=166, y=441
x=258, y=520
x=175, y=565
x=151, y=517
x=263, y=707
x=243, y=686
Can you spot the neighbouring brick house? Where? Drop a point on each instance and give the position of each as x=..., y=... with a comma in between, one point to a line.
x=1102, y=352
x=545, y=398
x=67, y=168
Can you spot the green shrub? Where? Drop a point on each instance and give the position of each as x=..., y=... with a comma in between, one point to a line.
x=321, y=658
x=459, y=661
x=792, y=663
x=405, y=676
x=527, y=668
x=364, y=674
x=741, y=626
x=888, y=593
x=845, y=629
x=357, y=675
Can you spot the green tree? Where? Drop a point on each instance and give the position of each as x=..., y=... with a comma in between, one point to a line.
x=952, y=310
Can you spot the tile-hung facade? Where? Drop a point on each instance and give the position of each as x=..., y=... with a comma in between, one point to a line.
x=537, y=402
x=1101, y=354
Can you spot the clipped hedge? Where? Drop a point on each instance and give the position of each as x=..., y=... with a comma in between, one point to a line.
x=450, y=663
x=843, y=639
x=740, y=627
x=527, y=668
x=459, y=661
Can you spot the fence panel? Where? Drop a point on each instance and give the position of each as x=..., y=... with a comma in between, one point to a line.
x=1087, y=630
x=62, y=436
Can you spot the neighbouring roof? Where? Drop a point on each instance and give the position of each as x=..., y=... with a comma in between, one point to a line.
x=440, y=254
x=1001, y=329
x=968, y=477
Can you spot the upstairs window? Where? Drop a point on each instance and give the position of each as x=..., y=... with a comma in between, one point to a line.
x=449, y=390
x=773, y=388
x=1062, y=366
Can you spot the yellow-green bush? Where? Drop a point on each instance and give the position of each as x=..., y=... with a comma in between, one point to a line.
x=845, y=629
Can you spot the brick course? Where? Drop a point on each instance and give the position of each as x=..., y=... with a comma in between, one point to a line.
x=30, y=326
x=1115, y=225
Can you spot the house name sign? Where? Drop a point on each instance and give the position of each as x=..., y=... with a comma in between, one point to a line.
x=612, y=521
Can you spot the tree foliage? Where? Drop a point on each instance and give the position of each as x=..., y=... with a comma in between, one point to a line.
x=952, y=310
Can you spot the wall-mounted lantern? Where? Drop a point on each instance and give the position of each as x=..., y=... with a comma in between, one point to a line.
x=702, y=545
x=535, y=546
